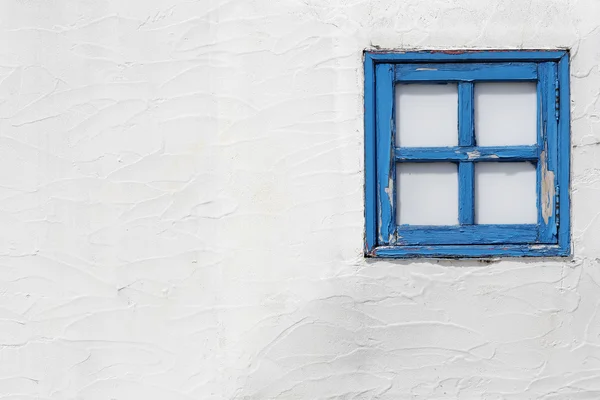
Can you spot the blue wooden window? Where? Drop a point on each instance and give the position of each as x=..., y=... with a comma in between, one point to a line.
x=550, y=236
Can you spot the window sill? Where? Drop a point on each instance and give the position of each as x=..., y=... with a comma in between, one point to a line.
x=473, y=251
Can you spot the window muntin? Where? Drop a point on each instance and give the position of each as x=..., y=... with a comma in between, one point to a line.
x=516, y=84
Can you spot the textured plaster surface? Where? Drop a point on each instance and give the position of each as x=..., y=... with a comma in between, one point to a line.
x=181, y=210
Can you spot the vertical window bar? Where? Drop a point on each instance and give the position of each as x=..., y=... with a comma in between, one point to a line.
x=370, y=161
x=547, y=142
x=542, y=120
x=386, y=164
x=466, y=170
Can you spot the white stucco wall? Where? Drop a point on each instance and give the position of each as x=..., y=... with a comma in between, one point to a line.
x=181, y=210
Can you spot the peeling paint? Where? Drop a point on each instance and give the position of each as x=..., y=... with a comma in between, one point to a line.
x=389, y=190
x=548, y=188
x=473, y=154
x=537, y=246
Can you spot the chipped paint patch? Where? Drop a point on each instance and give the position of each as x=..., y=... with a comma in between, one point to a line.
x=547, y=189
x=473, y=154
x=538, y=246
x=427, y=69
x=389, y=190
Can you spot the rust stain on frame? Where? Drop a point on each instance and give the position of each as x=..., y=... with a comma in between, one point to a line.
x=547, y=188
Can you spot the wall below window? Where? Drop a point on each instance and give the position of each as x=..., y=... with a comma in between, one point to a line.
x=181, y=210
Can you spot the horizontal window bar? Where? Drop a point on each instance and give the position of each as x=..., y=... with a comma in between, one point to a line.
x=466, y=72
x=479, y=251
x=466, y=234
x=466, y=55
x=460, y=153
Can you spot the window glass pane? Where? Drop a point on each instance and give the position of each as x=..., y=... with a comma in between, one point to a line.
x=505, y=193
x=426, y=115
x=505, y=113
x=427, y=194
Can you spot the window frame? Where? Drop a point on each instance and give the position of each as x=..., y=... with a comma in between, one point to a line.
x=550, y=237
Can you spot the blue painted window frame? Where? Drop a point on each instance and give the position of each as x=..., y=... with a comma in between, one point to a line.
x=550, y=237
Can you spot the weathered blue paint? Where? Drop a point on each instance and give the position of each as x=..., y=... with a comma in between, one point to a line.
x=474, y=251
x=469, y=154
x=466, y=193
x=466, y=72
x=563, y=214
x=384, y=100
x=370, y=159
x=542, y=117
x=466, y=234
x=383, y=56
x=466, y=138
x=547, y=141
x=550, y=237
x=466, y=114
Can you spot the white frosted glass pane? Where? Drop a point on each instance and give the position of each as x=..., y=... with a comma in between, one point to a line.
x=505, y=193
x=427, y=194
x=426, y=115
x=505, y=113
